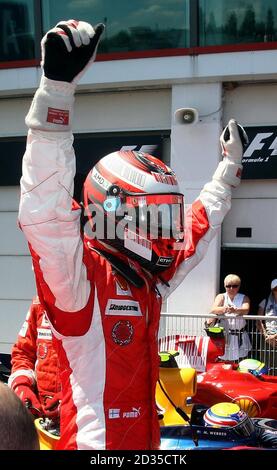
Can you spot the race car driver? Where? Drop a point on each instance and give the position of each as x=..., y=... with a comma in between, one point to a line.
x=103, y=289
x=35, y=375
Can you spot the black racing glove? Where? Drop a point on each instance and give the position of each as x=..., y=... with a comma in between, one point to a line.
x=68, y=49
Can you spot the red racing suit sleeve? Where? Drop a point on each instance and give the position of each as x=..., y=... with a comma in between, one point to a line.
x=203, y=220
x=24, y=351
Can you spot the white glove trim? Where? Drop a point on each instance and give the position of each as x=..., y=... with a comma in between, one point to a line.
x=26, y=372
x=228, y=172
x=52, y=106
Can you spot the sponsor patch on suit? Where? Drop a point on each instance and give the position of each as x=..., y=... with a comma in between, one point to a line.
x=122, y=289
x=128, y=308
x=45, y=321
x=44, y=333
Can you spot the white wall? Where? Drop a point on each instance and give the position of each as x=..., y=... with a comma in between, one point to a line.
x=99, y=112
x=17, y=285
x=194, y=157
x=258, y=214
x=155, y=71
x=123, y=111
x=254, y=201
x=251, y=104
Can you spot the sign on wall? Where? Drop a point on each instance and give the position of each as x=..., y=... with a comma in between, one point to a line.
x=89, y=149
x=260, y=157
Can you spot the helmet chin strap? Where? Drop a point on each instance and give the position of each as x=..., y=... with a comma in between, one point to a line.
x=114, y=248
x=121, y=267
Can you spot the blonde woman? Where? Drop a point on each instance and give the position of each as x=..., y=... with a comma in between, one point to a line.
x=234, y=304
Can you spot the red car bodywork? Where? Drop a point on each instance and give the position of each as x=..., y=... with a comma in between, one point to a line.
x=219, y=381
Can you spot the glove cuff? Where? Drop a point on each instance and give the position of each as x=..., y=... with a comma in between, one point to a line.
x=228, y=172
x=52, y=106
x=21, y=377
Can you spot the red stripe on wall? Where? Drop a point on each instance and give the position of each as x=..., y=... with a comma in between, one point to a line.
x=182, y=51
x=17, y=64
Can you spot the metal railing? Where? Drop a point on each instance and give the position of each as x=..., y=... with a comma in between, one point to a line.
x=193, y=325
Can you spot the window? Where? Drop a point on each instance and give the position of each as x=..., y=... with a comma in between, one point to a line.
x=16, y=30
x=135, y=25
x=237, y=21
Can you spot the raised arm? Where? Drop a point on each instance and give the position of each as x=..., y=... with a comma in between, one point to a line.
x=204, y=218
x=46, y=217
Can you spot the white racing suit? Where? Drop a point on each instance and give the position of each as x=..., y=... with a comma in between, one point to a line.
x=105, y=328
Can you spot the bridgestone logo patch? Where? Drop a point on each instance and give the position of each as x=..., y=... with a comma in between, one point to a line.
x=44, y=333
x=127, y=308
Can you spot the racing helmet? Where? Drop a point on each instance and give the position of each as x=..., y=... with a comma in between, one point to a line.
x=133, y=203
x=229, y=415
x=253, y=366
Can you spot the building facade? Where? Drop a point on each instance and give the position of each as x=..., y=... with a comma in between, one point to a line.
x=216, y=56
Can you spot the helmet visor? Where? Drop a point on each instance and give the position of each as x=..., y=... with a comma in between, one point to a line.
x=159, y=215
